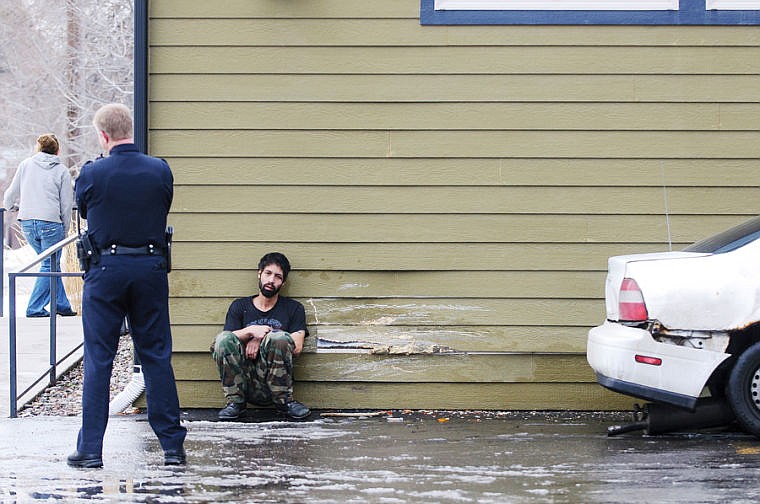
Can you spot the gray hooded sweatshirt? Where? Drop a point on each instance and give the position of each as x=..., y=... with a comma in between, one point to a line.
x=42, y=190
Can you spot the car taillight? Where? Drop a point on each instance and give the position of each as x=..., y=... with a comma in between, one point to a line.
x=645, y=359
x=631, y=302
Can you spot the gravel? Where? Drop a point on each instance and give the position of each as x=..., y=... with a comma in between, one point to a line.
x=64, y=398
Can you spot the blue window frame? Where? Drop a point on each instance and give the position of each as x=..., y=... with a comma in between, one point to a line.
x=590, y=12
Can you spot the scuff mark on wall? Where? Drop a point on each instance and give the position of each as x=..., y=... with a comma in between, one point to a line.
x=350, y=286
x=380, y=321
x=314, y=310
x=411, y=348
x=386, y=328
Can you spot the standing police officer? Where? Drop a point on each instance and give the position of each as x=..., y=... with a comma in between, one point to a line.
x=125, y=198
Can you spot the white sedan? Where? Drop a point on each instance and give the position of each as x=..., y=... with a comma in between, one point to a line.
x=680, y=324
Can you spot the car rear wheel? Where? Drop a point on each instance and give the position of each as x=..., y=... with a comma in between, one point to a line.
x=743, y=389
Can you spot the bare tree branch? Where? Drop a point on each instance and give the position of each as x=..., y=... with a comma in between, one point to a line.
x=59, y=61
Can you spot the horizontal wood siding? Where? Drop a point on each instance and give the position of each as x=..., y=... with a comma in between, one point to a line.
x=448, y=196
x=465, y=396
x=458, y=116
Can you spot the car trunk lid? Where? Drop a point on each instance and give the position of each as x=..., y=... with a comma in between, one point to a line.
x=617, y=270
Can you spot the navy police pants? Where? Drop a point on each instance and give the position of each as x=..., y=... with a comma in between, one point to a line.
x=134, y=285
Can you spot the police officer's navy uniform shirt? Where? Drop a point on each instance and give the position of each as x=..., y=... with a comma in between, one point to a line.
x=115, y=201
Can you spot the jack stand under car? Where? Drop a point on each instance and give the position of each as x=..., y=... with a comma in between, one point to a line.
x=658, y=418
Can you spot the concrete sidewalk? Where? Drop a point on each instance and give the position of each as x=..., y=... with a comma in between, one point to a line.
x=404, y=457
x=33, y=353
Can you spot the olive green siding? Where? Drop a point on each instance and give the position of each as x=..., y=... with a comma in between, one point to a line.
x=448, y=196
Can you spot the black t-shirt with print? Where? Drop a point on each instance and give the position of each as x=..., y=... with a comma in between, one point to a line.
x=287, y=315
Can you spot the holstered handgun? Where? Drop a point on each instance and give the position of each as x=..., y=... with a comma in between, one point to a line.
x=86, y=252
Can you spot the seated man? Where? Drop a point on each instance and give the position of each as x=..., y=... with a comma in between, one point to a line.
x=254, y=353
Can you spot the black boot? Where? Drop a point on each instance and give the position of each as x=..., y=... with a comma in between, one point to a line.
x=175, y=457
x=232, y=411
x=293, y=410
x=85, y=460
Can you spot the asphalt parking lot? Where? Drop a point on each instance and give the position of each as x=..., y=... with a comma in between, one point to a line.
x=383, y=457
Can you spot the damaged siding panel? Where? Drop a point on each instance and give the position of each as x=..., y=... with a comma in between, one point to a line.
x=473, y=339
x=490, y=339
x=392, y=325
x=453, y=368
x=413, y=312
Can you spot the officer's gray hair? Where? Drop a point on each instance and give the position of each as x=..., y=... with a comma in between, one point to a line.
x=115, y=119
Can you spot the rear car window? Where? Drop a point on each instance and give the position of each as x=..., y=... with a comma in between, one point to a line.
x=728, y=240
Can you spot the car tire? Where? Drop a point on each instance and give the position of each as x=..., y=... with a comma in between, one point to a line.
x=743, y=390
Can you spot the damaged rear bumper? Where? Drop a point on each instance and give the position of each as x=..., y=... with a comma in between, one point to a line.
x=678, y=378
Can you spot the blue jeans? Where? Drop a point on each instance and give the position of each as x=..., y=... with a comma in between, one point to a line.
x=41, y=235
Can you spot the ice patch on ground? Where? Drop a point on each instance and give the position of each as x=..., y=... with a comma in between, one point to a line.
x=252, y=432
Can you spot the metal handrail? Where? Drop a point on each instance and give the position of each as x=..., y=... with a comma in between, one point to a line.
x=2, y=261
x=51, y=252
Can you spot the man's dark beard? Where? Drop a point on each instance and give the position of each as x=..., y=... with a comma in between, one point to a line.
x=266, y=292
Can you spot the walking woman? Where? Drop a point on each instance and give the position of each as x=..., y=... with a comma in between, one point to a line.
x=43, y=193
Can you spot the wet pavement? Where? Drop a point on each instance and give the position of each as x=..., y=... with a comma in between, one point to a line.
x=405, y=458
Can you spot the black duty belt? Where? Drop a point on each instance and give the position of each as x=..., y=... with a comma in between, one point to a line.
x=122, y=250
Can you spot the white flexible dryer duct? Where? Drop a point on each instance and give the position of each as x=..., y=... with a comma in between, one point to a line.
x=129, y=395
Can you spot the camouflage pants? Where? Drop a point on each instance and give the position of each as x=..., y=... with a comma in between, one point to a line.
x=265, y=380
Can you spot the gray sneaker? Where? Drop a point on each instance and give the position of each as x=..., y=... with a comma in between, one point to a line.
x=232, y=411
